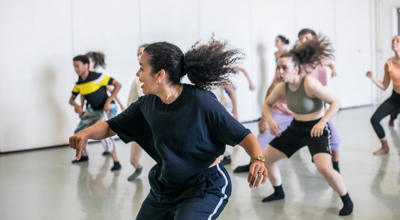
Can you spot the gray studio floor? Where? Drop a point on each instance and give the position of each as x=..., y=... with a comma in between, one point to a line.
x=45, y=185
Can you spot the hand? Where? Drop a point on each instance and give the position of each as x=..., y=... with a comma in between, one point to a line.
x=318, y=129
x=274, y=128
x=78, y=142
x=369, y=74
x=333, y=74
x=262, y=125
x=252, y=87
x=79, y=110
x=257, y=173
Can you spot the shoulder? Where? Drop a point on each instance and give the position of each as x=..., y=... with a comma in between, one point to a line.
x=311, y=82
x=199, y=96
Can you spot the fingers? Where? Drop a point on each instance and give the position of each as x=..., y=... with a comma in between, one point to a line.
x=316, y=132
x=257, y=173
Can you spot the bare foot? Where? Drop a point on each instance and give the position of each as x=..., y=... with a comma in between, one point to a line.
x=382, y=151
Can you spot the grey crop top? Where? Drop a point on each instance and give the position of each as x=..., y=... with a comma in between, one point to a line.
x=298, y=101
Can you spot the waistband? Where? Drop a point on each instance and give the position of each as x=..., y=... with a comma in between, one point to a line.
x=297, y=123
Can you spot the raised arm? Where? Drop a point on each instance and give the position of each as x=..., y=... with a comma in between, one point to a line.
x=232, y=94
x=386, y=78
x=246, y=74
x=98, y=131
x=331, y=66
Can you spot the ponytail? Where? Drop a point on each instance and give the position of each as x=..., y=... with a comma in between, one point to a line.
x=206, y=65
x=98, y=58
x=311, y=52
x=210, y=64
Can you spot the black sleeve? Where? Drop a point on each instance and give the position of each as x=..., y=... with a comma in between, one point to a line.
x=110, y=81
x=223, y=126
x=130, y=125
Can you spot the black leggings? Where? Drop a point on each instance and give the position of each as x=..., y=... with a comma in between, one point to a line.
x=391, y=105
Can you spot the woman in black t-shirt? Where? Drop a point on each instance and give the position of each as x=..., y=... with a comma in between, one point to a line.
x=184, y=129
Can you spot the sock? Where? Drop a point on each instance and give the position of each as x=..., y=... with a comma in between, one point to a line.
x=347, y=205
x=242, y=169
x=277, y=195
x=336, y=165
x=116, y=166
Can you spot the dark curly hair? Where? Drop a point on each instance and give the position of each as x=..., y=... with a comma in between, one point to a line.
x=311, y=52
x=84, y=59
x=283, y=39
x=206, y=65
x=98, y=58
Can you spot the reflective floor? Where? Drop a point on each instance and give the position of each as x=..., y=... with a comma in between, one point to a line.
x=45, y=185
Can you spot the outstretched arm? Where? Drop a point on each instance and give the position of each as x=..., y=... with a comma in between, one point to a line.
x=257, y=172
x=98, y=131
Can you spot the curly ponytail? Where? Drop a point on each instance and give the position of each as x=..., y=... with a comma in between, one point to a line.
x=210, y=64
x=206, y=65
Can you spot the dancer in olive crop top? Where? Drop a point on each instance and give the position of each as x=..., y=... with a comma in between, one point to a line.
x=304, y=96
x=392, y=104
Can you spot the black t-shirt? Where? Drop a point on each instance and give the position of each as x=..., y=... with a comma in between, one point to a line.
x=93, y=89
x=184, y=137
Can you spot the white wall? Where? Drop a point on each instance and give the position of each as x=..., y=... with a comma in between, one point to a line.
x=39, y=38
x=385, y=30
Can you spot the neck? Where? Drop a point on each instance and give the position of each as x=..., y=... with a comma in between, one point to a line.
x=170, y=93
x=296, y=82
x=85, y=75
x=397, y=55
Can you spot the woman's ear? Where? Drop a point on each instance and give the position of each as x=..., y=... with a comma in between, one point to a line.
x=162, y=75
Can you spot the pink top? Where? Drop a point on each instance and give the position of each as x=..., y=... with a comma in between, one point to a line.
x=318, y=72
x=281, y=107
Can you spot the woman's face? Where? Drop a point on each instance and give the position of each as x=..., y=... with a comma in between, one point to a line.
x=305, y=37
x=286, y=70
x=146, y=75
x=278, y=42
x=396, y=43
x=140, y=52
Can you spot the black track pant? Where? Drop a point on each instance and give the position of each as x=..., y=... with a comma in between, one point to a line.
x=391, y=105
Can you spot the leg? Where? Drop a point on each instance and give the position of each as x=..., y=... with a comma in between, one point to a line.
x=323, y=163
x=383, y=110
x=208, y=207
x=150, y=209
x=136, y=151
x=272, y=156
x=334, y=143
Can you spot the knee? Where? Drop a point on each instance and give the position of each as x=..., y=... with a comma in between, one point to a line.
x=374, y=120
x=325, y=171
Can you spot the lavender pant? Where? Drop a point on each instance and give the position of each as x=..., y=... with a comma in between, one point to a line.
x=284, y=121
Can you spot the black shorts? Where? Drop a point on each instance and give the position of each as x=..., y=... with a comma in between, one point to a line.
x=298, y=135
